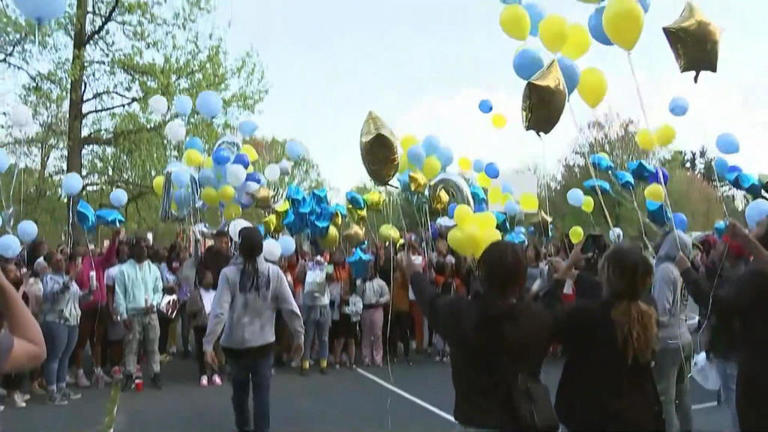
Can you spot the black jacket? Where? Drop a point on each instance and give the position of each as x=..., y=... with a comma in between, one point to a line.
x=491, y=344
x=598, y=389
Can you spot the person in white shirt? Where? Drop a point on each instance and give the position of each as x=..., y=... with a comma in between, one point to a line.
x=317, y=312
x=375, y=295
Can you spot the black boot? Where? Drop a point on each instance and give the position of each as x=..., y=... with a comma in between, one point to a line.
x=128, y=382
x=157, y=382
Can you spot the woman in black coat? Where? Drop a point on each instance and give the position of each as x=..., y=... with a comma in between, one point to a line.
x=607, y=381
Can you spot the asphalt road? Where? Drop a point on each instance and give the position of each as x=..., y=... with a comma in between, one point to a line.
x=417, y=398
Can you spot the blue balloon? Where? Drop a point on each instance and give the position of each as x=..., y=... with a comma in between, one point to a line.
x=182, y=104
x=536, y=13
x=646, y=5
x=595, y=184
x=640, y=169
x=624, y=179
x=516, y=237
x=85, y=215
x=478, y=166
x=570, y=72
x=678, y=106
x=601, y=162
x=247, y=128
x=680, y=221
x=359, y=262
x=719, y=228
x=180, y=178
x=5, y=161
x=109, y=217
x=221, y=156
x=27, y=231
x=485, y=106
x=734, y=169
x=658, y=213
x=209, y=104
x=451, y=209
x=402, y=179
x=207, y=178
x=194, y=143
x=756, y=211
x=727, y=143
x=527, y=63
x=10, y=246
x=511, y=208
x=431, y=145
x=41, y=11
x=659, y=175
x=575, y=197
x=294, y=150
x=596, y=27
x=416, y=156
x=492, y=170
x=242, y=160
x=255, y=178
x=118, y=197
x=355, y=200
x=507, y=188
x=510, y=2
x=445, y=154
x=721, y=166
x=72, y=184
x=182, y=198
x=287, y=245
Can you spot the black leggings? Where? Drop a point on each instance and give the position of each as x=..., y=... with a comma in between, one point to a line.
x=202, y=368
x=400, y=332
x=165, y=325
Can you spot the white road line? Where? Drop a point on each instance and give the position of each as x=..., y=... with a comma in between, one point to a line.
x=407, y=396
x=704, y=405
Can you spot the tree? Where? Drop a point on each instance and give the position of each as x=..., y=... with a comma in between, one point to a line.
x=122, y=52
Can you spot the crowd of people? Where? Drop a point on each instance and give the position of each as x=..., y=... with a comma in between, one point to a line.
x=616, y=315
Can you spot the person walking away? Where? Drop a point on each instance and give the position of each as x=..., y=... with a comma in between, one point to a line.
x=138, y=292
x=375, y=295
x=498, y=342
x=250, y=291
x=673, y=359
x=317, y=313
x=115, y=329
x=59, y=321
x=93, y=322
x=607, y=381
x=198, y=308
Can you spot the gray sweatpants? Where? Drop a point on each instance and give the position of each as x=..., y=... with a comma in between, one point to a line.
x=146, y=327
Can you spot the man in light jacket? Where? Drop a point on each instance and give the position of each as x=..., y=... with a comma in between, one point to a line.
x=138, y=292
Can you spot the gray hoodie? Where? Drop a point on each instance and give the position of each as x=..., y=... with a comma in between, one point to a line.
x=670, y=300
x=250, y=317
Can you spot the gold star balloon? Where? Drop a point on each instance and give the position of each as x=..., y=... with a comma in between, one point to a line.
x=544, y=99
x=695, y=41
x=417, y=181
x=378, y=148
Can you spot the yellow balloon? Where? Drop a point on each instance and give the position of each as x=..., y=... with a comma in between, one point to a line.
x=465, y=164
x=588, y=205
x=208, y=162
x=249, y=151
x=623, y=22
x=331, y=239
x=665, y=135
x=485, y=238
x=157, y=185
x=553, y=32
x=578, y=42
x=529, y=202
x=645, y=140
x=483, y=180
x=462, y=215
x=232, y=211
x=495, y=196
x=192, y=158
x=460, y=241
x=654, y=192
x=210, y=196
x=592, y=86
x=576, y=234
x=407, y=142
x=226, y=193
x=515, y=22
x=498, y=120
x=484, y=221
x=432, y=167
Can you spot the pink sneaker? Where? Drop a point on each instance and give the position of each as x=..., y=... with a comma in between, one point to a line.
x=204, y=381
x=216, y=379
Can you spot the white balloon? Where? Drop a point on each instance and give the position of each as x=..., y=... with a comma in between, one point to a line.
x=272, y=172
x=235, y=226
x=21, y=116
x=285, y=167
x=272, y=250
x=158, y=105
x=616, y=235
x=236, y=174
x=175, y=131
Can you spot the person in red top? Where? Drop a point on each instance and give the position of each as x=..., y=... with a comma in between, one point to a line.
x=95, y=315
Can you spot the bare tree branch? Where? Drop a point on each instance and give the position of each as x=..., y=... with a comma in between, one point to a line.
x=105, y=93
x=107, y=19
x=130, y=102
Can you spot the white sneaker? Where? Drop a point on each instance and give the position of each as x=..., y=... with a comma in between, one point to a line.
x=82, y=380
x=18, y=400
x=25, y=396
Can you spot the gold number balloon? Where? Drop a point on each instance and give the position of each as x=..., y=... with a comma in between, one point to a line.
x=695, y=41
x=378, y=148
x=544, y=99
x=454, y=186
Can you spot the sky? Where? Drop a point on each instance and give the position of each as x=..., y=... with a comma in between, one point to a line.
x=423, y=66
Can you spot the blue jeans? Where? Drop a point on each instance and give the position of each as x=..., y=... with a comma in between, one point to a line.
x=250, y=369
x=317, y=322
x=60, y=340
x=727, y=370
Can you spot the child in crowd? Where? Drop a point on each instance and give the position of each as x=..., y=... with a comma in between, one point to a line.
x=198, y=308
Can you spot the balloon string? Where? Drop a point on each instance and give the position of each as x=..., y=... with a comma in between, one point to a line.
x=543, y=173
x=720, y=192
x=637, y=88
x=591, y=169
x=642, y=224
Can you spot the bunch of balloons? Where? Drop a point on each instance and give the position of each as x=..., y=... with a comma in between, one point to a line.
x=428, y=157
x=473, y=232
